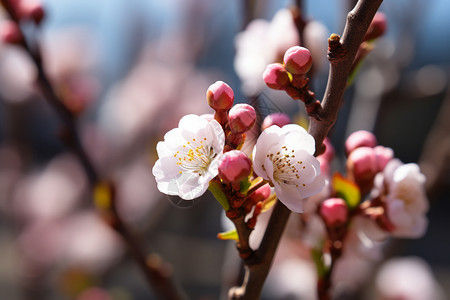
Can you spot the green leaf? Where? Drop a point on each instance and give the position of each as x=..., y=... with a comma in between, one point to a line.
x=347, y=190
x=215, y=188
x=245, y=185
x=317, y=257
x=229, y=235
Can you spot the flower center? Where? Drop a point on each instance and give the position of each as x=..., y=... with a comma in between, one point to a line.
x=286, y=169
x=195, y=157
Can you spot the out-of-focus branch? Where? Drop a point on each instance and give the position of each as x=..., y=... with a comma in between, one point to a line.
x=258, y=265
x=342, y=52
x=156, y=272
x=435, y=158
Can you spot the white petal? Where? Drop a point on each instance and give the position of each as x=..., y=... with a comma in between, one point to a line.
x=298, y=138
x=218, y=136
x=172, y=139
x=190, y=186
x=314, y=187
x=289, y=196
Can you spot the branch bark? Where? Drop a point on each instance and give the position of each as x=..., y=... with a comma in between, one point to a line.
x=157, y=274
x=341, y=59
x=341, y=55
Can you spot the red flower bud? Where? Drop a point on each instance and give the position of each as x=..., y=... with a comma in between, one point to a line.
x=377, y=27
x=384, y=155
x=329, y=150
x=298, y=60
x=334, y=211
x=361, y=138
x=362, y=166
x=241, y=118
x=32, y=10
x=279, y=119
x=276, y=77
x=234, y=166
x=220, y=96
x=10, y=32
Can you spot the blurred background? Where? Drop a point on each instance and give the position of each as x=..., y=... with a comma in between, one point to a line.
x=130, y=70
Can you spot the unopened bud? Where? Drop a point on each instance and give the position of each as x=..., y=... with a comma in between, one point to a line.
x=298, y=60
x=32, y=10
x=241, y=118
x=260, y=194
x=279, y=119
x=276, y=77
x=384, y=155
x=325, y=168
x=234, y=166
x=10, y=32
x=377, y=27
x=361, y=138
x=329, y=150
x=362, y=164
x=334, y=211
x=220, y=96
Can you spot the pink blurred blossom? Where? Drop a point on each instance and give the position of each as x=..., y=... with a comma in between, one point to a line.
x=260, y=44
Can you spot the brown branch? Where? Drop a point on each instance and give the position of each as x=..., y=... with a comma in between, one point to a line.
x=157, y=274
x=435, y=157
x=342, y=52
x=258, y=265
x=341, y=56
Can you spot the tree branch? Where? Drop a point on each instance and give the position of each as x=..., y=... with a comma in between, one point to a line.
x=342, y=53
x=157, y=274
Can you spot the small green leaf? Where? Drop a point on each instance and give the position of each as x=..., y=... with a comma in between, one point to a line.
x=216, y=189
x=347, y=190
x=229, y=235
x=317, y=257
x=245, y=185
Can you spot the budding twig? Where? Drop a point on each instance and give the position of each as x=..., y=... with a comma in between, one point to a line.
x=342, y=54
x=155, y=272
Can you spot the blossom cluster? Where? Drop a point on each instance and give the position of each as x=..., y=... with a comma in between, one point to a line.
x=377, y=197
x=204, y=152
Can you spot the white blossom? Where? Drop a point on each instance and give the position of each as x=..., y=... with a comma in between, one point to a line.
x=188, y=157
x=406, y=202
x=284, y=156
x=262, y=43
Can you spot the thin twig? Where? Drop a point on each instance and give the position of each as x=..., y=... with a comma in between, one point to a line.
x=435, y=157
x=157, y=274
x=341, y=56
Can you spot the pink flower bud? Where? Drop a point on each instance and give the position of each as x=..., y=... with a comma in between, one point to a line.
x=334, y=211
x=260, y=194
x=279, y=119
x=276, y=77
x=234, y=166
x=324, y=165
x=377, y=27
x=384, y=155
x=10, y=32
x=329, y=150
x=361, y=138
x=220, y=96
x=241, y=118
x=32, y=10
x=298, y=60
x=362, y=164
